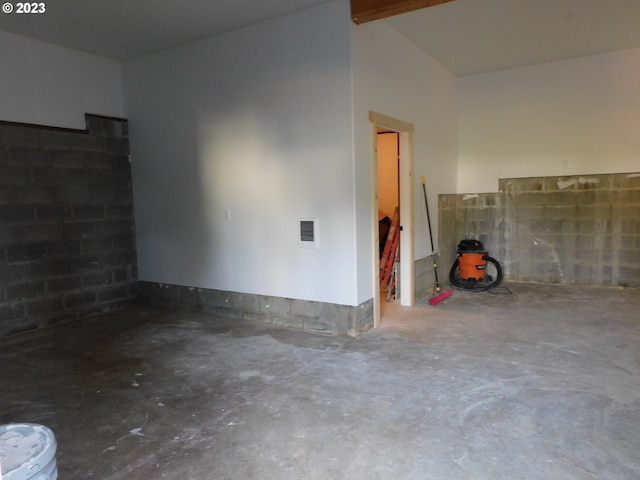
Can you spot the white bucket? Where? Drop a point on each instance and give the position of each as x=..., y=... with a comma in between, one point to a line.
x=27, y=452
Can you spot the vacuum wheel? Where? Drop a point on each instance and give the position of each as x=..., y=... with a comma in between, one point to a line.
x=492, y=277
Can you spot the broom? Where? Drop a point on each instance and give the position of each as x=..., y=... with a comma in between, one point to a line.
x=439, y=295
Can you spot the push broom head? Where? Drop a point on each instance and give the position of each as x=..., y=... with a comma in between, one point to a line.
x=441, y=297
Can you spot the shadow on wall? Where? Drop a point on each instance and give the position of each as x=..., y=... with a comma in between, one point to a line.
x=578, y=230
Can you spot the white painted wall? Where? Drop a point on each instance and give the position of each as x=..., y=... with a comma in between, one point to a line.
x=577, y=116
x=45, y=84
x=395, y=78
x=234, y=138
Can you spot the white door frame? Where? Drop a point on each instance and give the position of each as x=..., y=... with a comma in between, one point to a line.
x=407, y=260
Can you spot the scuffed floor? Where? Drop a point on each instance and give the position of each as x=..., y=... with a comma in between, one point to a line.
x=543, y=383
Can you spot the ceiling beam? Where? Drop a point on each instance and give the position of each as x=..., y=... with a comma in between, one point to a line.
x=363, y=11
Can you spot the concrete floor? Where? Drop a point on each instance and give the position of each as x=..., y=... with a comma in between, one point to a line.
x=540, y=384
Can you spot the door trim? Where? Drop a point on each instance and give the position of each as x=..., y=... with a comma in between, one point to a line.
x=407, y=257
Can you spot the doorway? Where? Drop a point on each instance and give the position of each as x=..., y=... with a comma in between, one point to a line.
x=388, y=155
x=403, y=131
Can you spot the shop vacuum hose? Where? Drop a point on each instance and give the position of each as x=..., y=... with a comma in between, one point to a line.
x=439, y=295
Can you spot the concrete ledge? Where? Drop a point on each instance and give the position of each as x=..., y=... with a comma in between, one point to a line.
x=306, y=315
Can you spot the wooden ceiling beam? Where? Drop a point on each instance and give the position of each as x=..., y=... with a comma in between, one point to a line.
x=363, y=11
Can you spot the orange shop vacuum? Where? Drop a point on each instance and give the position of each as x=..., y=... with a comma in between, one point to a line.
x=474, y=269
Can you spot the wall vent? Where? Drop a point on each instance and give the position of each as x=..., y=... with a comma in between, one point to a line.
x=308, y=232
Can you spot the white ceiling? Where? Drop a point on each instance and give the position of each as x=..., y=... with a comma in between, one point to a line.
x=473, y=36
x=124, y=29
x=467, y=36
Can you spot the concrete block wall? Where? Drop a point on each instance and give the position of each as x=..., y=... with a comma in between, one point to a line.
x=579, y=230
x=67, y=246
x=301, y=314
x=424, y=277
x=478, y=216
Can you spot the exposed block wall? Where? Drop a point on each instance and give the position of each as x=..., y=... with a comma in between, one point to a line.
x=424, y=276
x=67, y=246
x=316, y=317
x=579, y=230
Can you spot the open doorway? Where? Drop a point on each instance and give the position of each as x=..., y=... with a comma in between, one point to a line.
x=388, y=155
x=403, y=196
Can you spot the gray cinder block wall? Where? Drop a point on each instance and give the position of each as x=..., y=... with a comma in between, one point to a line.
x=307, y=315
x=472, y=216
x=579, y=230
x=67, y=246
x=424, y=276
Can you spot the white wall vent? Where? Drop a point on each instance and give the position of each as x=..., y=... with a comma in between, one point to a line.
x=308, y=232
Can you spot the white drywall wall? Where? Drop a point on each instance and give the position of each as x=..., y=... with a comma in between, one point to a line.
x=576, y=116
x=395, y=78
x=233, y=139
x=45, y=84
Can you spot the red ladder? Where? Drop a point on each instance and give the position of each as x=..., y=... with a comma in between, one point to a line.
x=390, y=249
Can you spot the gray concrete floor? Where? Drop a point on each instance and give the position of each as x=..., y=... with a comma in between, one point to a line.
x=540, y=384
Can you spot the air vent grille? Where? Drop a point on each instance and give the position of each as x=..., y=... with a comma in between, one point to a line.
x=308, y=231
